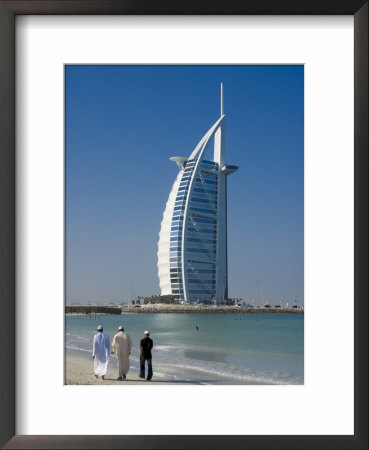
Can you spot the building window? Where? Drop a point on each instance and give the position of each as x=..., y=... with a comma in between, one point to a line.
x=201, y=291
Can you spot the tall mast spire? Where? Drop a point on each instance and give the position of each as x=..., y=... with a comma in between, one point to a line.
x=221, y=100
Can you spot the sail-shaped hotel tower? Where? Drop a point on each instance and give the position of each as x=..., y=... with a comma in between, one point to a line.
x=192, y=248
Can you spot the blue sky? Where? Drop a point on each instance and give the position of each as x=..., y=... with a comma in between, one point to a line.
x=122, y=125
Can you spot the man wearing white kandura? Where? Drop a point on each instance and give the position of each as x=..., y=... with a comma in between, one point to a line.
x=122, y=345
x=101, y=353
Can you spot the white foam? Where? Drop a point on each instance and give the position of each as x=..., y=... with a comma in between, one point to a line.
x=72, y=347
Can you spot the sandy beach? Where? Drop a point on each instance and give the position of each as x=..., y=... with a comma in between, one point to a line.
x=194, y=349
x=79, y=371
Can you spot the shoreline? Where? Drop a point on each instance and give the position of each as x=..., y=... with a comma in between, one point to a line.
x=190, y=351
x=79, y=371
x=183, y=309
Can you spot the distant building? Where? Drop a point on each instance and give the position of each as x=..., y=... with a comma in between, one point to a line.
x=192, y=248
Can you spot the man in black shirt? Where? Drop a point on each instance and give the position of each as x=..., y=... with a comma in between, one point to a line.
x=145, y=355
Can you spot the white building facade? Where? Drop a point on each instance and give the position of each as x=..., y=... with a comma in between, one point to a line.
x=192, y=248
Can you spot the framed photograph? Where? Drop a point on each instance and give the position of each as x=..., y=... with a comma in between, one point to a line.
x=107, y=241
x=176, y=247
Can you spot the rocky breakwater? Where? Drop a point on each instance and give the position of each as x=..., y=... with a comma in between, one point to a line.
x=81, y=309
x=206, y=309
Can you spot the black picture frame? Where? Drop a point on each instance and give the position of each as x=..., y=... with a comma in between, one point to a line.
x=8, y=11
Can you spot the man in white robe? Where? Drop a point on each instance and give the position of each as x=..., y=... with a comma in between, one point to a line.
x=101, y=352
x=122, y=345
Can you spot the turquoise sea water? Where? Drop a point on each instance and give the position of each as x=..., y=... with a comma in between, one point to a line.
x=253, y=349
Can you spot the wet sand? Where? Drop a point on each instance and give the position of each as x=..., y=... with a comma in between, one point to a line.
x=79, y=371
